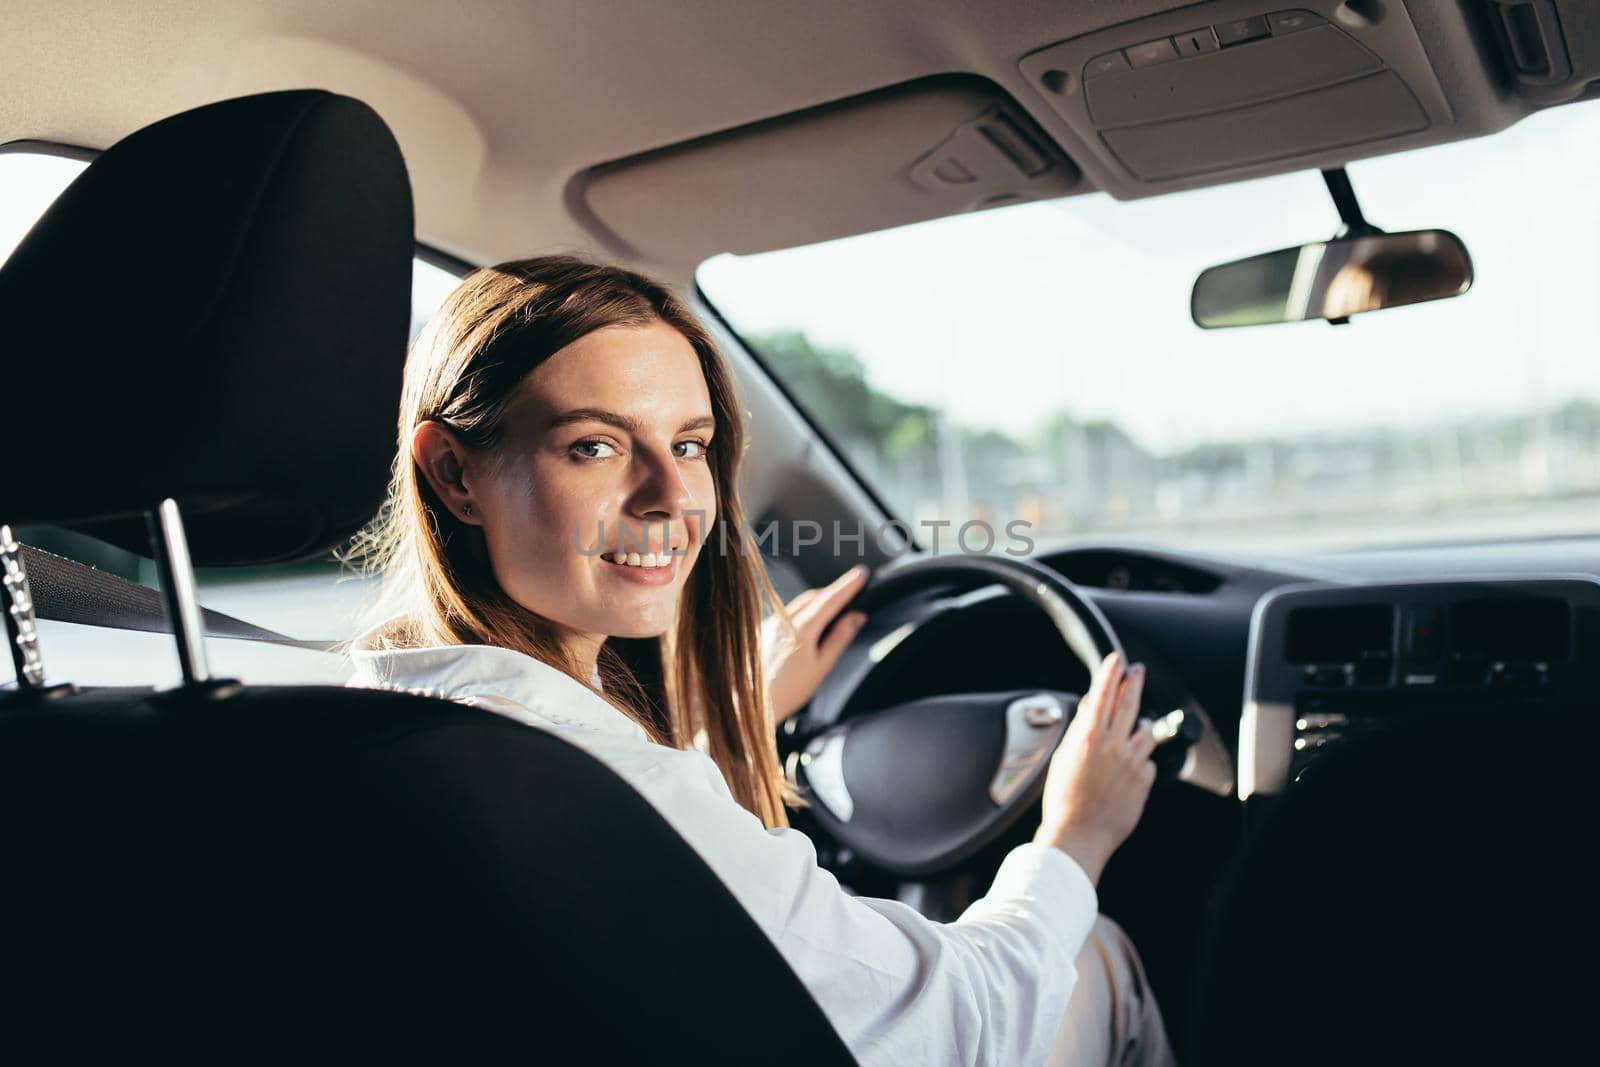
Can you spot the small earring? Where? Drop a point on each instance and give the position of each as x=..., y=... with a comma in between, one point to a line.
x=467, y=508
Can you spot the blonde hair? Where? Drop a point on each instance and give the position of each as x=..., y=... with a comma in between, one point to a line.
x=491, y=332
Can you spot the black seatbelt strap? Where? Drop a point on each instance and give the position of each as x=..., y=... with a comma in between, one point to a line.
x=65, y=590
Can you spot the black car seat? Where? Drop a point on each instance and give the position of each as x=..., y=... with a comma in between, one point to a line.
x=1421, y=895
x=216, y=312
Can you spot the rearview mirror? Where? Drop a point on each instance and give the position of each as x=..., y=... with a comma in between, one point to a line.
x=1333, y=279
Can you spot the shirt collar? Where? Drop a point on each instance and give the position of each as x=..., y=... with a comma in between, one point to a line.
x=491, y=675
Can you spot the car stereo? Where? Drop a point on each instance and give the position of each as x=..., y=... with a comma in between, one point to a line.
x=1330, y=662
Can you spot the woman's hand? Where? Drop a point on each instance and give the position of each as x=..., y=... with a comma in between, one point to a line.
x=1100, y=775
x=796, y=664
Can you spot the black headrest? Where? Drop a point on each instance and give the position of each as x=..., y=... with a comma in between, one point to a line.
x=215, y=311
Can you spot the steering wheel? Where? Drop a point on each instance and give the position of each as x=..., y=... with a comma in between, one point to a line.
x=918, y=787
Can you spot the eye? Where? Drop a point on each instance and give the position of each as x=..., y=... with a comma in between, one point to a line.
x=691, y=449
x=594, y=448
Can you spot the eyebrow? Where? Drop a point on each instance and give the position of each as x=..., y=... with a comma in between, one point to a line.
x=622, y=422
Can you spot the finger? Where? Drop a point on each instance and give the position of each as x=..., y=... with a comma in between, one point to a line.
x=831, y=598
x=793, y=607
x=839, y=638
x=1143, y=741
x=1128, y=699
x=1107, y=677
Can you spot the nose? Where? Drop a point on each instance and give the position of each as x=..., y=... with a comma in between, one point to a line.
x=661, y=494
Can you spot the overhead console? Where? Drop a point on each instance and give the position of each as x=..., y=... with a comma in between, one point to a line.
x=1216, y=87
x=1330, y=663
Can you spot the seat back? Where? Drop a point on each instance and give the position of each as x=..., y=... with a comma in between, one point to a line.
x=294, y=870
x=1425, y=895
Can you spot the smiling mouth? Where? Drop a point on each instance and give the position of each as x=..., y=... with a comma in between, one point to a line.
x=647, y=560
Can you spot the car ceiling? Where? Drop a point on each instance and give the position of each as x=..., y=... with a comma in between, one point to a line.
x=501, y=106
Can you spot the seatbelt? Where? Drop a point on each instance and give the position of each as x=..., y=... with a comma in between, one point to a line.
x=65, y=590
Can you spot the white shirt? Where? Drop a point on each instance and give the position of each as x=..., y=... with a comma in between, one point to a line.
x=989, y=988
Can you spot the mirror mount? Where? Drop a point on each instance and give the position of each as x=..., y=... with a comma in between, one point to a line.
x=1344, y=199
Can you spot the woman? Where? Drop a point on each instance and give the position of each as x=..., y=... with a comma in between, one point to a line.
x=569, y=451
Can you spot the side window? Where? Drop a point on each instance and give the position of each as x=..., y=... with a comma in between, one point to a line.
x=310, y=600
x=29, y=183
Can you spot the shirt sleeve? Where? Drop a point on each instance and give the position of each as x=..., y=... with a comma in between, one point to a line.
x=989, y=988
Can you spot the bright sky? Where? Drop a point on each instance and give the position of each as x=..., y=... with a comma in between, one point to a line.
x=1082, y=305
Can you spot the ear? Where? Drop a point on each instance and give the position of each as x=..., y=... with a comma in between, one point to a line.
x=443, y=461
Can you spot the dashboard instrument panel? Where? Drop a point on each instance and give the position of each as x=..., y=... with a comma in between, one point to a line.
x=1329, y=662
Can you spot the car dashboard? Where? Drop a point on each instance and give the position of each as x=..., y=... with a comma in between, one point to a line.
x=1328, y=664
x=1268, y=643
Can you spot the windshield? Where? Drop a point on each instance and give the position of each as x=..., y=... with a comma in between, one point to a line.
x=1038, y=362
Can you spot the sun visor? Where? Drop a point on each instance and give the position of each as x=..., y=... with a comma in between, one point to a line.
x=1551, y=48
x=917, y=151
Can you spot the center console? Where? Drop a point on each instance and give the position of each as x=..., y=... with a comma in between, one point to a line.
x=1329, y=663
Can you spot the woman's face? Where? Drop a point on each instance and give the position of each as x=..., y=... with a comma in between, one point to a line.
x=604, y=448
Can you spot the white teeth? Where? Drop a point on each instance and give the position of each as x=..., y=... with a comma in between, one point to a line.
x=636, y=559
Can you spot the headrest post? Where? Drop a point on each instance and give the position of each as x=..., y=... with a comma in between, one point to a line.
x=17, y=600
x=171, y=549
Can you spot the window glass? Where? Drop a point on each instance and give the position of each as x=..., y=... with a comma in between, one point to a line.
x=1038, y=362
x=30, y=182
x=310, y=600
